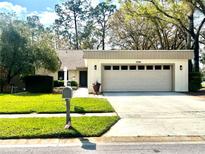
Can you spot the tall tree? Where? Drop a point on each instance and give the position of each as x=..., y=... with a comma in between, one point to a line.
x=169, y=8
x=35, y=26
x=101, y=14
x=134, y=28
x=71, y=14
x=19, y=57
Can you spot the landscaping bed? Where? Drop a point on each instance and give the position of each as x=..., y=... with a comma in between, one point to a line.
x=50, y=103
x=54, y=127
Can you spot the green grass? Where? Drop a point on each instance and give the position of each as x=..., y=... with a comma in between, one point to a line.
x=50, y=103
x=54, y=127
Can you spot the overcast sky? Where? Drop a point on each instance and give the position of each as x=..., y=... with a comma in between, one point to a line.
x=43, y=8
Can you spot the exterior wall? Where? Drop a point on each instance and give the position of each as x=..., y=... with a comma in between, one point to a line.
x=73, y=75
x=180, y=77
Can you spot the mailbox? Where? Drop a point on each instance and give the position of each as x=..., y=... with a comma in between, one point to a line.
x=67, y=93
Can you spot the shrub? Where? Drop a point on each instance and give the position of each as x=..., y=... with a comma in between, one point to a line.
x=74, y=84
x=58, y=83
x=195, y=79
x=39, y=84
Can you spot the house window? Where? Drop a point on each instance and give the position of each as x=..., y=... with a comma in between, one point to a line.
x=124, y=67
x=158, y=67
x=149, y=67
x=61, y=75
x=116, y=67
x=107, y=67
x=141, y=67
x=133, y=67
x=166, y=67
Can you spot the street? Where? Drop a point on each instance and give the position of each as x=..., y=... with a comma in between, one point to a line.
x=111, y=148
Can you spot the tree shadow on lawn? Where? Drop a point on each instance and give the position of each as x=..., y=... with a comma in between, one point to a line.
x=31, y=94
x=28, y=94
x=79, y=109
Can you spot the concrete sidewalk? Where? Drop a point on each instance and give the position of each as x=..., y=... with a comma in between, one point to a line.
x=98, y=140
x=35, y=115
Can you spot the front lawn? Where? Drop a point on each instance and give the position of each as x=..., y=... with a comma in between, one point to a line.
x=54, y=127
x=50, y=103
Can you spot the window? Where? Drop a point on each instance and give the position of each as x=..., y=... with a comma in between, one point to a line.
x=116, y=67
x=107, y=67
x=149, y=67
x=166, y=67
x=61, y=75
x=124, y=67
x=132, y=67
x=158, y=67
x=141, y=67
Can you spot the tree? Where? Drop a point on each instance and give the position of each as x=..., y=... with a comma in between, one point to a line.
x=169, y=8
x=69, y=24
x=101, y=13
x=135, y=26
x=16, y=57
x=35, y=26
x=19, y=57
x=89, y=36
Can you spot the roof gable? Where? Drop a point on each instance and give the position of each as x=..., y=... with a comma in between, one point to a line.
x=72, y=59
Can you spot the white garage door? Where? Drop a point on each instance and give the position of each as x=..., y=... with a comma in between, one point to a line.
x=137, y=78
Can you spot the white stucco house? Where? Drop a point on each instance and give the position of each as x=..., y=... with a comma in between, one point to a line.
x=128, y=70
x=75, y=64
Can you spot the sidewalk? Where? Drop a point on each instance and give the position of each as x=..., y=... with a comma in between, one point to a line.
x=97, y=140
x=35, y=115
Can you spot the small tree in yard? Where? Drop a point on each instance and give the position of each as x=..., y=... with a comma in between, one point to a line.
x=19, y=57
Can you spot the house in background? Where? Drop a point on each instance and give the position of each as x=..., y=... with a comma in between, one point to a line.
x=138, y=70
x=75, y=64
x=126, y=70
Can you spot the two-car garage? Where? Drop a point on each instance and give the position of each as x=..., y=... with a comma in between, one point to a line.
x=138, y=70
x=137, y=77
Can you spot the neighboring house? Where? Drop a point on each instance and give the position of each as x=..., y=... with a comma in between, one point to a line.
x=75, y=64
x=143, y=70
x=131, y=70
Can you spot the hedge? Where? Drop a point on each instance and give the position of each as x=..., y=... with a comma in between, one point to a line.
x=60, y=83
x=39, y=84
x=195, y=79
x=74, y=84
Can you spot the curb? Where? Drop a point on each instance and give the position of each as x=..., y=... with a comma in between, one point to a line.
x=99, y=140
x=44, y=115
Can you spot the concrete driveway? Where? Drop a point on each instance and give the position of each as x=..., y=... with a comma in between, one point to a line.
x=157, y=114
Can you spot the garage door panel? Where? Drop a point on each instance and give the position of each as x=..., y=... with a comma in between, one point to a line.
x=137, y=80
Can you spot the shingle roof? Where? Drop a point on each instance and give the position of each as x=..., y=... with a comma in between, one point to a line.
x=72, y=59
x=139, y=54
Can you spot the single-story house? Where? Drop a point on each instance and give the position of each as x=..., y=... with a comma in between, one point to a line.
x=128, y=70
x=75, y=64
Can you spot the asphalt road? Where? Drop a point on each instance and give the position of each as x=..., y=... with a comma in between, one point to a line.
x=113, y=148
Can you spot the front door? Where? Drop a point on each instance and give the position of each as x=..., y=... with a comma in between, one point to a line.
x=83, y=79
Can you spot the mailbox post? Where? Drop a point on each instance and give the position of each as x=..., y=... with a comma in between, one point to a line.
x=67, y=95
